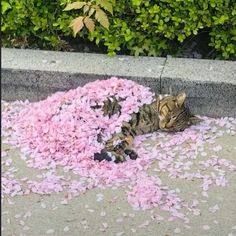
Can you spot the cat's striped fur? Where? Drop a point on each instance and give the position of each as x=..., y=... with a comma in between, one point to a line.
x=167, y=113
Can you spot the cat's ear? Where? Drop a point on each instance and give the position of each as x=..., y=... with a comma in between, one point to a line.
x=180, y=98
x=193, y=120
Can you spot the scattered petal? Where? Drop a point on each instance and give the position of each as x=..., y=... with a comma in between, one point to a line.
x=43, y=205
x=66, y=228
x=206, y=227
x=120, y=233
x=103, y=213
x=177, y=230
x=50, y=231
x=26, y=228
x=17, y=216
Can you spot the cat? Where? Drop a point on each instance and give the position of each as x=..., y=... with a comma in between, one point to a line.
x=167, y=113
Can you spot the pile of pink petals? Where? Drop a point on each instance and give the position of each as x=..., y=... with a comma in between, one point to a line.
x=62, y=131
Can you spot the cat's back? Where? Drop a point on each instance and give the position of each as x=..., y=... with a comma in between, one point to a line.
x=146, y=119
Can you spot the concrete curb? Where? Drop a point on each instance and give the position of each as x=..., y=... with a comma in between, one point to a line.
x=210, y=84
x=35, y=74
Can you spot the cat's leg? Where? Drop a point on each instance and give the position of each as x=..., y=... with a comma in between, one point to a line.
x=111, y=106
x=118, y=148
x=120, y=145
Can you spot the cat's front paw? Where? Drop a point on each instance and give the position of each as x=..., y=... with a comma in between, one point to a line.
x=102, y=156
x=109, y=156
x=131, y=153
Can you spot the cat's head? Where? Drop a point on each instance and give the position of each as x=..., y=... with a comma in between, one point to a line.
x=173, y=115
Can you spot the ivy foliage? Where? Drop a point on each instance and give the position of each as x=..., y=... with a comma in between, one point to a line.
x=140, y=27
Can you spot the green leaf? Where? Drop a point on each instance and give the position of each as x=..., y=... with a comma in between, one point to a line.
x=46, y=38
x=181, y=37
x=137, y=51
x=225, y=55
x=5, y=6
x=97, y=41
x=106, y=5
x=223, y=18
x=74, y=5
x=136, y=2
x=36, y=28
x=101, y=17
x=152, y=52
x=111, y=53
x=212, y=4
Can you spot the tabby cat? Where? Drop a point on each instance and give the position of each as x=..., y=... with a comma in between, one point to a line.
x=166, y=113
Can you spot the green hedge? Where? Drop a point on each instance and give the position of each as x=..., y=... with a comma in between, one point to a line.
x=140, y=27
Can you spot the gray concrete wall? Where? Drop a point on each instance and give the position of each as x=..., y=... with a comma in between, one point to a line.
x=35, y=74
